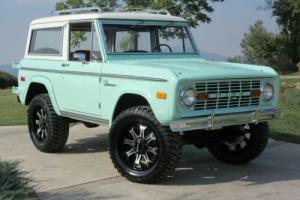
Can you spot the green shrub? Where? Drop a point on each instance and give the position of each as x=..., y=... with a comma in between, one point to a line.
x=290, y=92
x=7, y=80
x=14, y=183
x=292, y=97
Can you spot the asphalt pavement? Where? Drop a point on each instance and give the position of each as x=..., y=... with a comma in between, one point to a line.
x=84, y=171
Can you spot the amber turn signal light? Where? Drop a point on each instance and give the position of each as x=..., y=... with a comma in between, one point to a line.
x=255, y=93
x=23, y=78
x=161, y=95
x=202, y=96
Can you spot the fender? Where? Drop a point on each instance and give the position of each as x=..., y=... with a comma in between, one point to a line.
x=159, y=107
x=46, y=82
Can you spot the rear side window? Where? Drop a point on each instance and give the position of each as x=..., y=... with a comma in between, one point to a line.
x=46, y=41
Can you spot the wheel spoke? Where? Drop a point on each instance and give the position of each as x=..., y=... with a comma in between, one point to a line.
x=151, y=137
x=153, y=150
x=42, y=113
x=39, y=115
x=129, y=142
x=46, y=134
x=137, y=162
x=142, y=131
x=43, y=134
x=133, y=134
x=146, y=161
x=248, y=135
x=243, y=144
x=232, y=147
x=38, y=131
x=37, y=122
x=130, y=153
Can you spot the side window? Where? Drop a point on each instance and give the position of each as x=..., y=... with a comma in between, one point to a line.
x=84, y=43
x=46, y=41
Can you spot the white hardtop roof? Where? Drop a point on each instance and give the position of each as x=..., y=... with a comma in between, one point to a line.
x=109, y=15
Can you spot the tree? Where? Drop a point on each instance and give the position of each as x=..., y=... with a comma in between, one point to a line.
x=264, y=48
x=258, y=45
x=287, y=13
x=195, y=11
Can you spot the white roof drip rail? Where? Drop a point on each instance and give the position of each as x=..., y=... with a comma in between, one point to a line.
x=78, y=11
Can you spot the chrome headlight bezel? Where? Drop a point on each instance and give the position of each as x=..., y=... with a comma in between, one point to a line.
x=267, y=92
x=188, y=97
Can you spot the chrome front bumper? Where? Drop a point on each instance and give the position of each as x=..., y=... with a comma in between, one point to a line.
x=218, y=121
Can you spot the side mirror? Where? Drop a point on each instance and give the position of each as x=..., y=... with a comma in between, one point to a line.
x=80, y=56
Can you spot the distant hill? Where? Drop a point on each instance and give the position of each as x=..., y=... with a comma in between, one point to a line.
x=7, y=80
x=8, y=69
x=213, y=56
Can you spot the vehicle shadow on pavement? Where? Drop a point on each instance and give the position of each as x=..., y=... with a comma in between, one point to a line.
x=96, y=144
x=203, y=169
x=198, y=167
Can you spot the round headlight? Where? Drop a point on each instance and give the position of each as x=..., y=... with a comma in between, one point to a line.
x=267, y=92
x=188, y=97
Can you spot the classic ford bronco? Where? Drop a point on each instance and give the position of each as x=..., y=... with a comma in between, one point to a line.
x=140, y=73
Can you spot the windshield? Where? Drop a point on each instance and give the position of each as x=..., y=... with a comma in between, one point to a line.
x=133, y=39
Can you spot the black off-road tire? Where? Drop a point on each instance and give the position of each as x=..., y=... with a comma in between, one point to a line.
x=57, y=127
x=170, y=146
x=257, y=144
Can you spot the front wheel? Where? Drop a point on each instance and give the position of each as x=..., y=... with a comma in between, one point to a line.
x=140, y=148
x=249, y=143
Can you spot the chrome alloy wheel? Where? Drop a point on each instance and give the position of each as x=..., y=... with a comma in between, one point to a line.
x=138, y=149
x=240, y=142
x=40, y=125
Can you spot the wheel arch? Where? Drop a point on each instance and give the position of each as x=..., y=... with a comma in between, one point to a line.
x=128, y=100
x=40, y=85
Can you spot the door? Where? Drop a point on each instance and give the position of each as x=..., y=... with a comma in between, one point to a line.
x=80, y=88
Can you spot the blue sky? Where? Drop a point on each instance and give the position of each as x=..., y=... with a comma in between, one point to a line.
x=231, y=20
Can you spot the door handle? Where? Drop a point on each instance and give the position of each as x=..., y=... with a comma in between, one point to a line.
x=65, y=65
x=106, y=83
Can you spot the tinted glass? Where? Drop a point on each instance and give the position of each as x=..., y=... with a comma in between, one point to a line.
x=46, y=41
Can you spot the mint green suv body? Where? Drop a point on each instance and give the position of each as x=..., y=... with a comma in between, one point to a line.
x=95, y=66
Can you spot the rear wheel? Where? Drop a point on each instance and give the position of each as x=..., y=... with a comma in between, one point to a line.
x=48, y=131
x=141, y=149
x=249, y=142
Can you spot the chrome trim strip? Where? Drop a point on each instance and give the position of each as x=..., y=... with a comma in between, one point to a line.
x=96, y=74
x=85, y=118
x=62, y=71
x=133, y=77
x=215, y=122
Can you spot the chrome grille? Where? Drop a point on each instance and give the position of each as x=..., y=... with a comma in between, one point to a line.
x=227, y=94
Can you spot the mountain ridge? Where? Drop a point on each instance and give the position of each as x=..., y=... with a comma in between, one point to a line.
x=8, y=69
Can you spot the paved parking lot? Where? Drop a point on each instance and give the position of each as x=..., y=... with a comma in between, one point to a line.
x=84, y=171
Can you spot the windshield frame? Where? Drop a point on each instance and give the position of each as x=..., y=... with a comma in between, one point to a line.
x=118, y=55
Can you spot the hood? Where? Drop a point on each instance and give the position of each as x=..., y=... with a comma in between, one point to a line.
x=188, y=68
